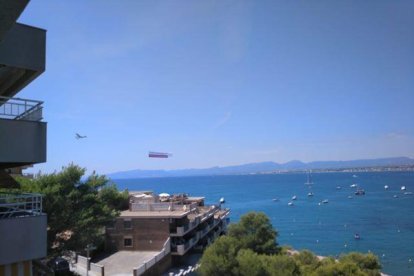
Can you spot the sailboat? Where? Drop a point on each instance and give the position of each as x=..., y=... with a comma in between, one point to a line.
x=309, y=181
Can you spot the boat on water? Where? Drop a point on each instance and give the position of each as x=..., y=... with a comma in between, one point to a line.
x=309, y=180
x=350, y=197
x=325, y=201
x=395, y=196
x=408, y=193
x=275, y=199
x=354, y=176
x=310, y=194
x=386, y=187
x=338, y=187
x=360, y=192
x=290, y=203
x=403, y=188
x=294, y=197
x=357, y=236
x=353, y=185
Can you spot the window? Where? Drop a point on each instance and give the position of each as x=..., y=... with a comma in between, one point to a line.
x=128, y=242
x=127, y=224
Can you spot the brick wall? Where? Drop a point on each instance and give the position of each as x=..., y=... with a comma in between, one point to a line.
x=146, y=234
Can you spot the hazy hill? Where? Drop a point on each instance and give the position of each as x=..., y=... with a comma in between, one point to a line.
x=265, y=167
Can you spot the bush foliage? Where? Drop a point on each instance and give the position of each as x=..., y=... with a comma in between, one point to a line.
x=250, y=248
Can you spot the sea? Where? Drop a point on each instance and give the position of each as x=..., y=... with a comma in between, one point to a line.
x=383, y=219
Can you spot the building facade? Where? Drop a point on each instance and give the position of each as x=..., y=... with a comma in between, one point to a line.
x=185, y=222
x=22, y=141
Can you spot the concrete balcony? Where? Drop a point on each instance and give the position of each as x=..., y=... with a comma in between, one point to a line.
x=181, y=249
x=22, y=228
x=184, y=248
x=209, y=213
x=22, y=57
x=22, y=133
x=9, y=13
x=182, y=230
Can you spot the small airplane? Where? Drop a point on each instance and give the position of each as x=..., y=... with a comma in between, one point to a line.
x=153, y=154
x=78, y=136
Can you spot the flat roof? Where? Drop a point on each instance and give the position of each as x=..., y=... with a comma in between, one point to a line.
x=124, y=262
x=154, y=214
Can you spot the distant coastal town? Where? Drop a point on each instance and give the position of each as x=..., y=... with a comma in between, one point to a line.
x=407, y=168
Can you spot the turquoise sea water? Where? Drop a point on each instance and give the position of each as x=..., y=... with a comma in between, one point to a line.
x=385, y=223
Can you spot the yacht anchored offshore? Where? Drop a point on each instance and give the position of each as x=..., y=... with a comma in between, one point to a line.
x=309, y=180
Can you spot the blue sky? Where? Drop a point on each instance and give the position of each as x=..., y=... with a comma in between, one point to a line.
x=224, y=82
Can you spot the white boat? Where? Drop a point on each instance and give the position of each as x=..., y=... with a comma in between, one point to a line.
x=403, y=188
x=395, y=196
x=408, y=193
x=360, y=192
x=353, y=185
x=338, y=187
x=325, y=201
x=275, y=199
x=354, y=176
x=350, y=197
x=290, y=203
x=310, y=194
x=386, y=187
x=309, y=181
x=222, y=200
x=294, y=197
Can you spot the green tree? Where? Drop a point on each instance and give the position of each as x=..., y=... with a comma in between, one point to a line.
x=250, y=248
x=255, y=232
x=113, y=198
x=225, y=256
x=338, y=269
x=220, y=258
x=280, y=265
x=307, y=261
x=250, y=263
x=77, y=209
x=368, y=263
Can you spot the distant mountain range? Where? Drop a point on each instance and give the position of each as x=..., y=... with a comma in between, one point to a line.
x=264, y=167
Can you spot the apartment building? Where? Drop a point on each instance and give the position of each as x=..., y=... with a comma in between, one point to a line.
x=182, y=222
x=22, y=141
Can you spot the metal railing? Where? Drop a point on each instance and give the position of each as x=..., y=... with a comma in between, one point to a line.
x=208, y=214
x=20, y=109
x=19, y=205
x=140, y=207
x=182, y=230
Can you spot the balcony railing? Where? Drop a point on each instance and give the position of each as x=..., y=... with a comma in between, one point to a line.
x=209, y=213
x=181, y=249
x=182, y=230
x=19, y=205
x=140, y=207
x=20, y=109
